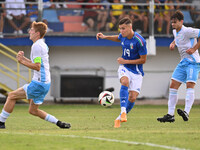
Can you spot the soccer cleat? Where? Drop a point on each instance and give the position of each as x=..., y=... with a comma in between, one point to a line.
x=63, y=125
x=183, y=114
x=117, y=124
x=2, y=125
x=166, y=118
x=123, y=117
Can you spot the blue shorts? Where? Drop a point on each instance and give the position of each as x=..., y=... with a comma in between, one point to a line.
x=36, y=91
x=186, y=71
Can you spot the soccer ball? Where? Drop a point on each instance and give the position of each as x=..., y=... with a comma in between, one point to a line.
x=106, y=98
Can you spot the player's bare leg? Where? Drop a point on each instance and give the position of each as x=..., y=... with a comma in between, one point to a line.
x=10, y=104
x=34, y=110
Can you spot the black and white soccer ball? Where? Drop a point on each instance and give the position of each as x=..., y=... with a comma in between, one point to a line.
x=106, y=98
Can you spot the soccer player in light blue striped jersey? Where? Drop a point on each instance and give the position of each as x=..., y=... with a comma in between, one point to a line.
x=130, y=72
x=35, y=91
x=185, y=38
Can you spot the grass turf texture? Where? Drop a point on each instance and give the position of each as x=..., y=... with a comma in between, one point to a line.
x=24, y=131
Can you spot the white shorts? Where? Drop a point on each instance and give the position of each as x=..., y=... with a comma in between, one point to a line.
x=135, y=80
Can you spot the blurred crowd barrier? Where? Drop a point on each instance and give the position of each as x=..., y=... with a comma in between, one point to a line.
x=87, y=17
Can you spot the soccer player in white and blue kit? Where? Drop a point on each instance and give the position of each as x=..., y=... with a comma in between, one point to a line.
x=130, y=71
x=36, y=91
x=185, y=38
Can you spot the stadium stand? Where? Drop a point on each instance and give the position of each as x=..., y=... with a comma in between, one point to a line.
x=187, y=17
x=50, y=15
x=72, y=18
x=73, y=23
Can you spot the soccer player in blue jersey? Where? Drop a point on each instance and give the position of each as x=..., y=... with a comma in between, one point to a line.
x=131, y=62
x=185, y=38
x=40, y=84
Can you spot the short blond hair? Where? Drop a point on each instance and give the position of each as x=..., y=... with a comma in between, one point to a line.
x=40, y=27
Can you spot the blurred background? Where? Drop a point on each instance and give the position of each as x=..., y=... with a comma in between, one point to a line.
x=81, y=66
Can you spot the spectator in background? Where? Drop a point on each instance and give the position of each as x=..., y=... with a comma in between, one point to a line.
x=93, y=15
x=144, y=12
x=116, y=14
x=17, y=16
x=171, y=8
x=183, y=2
x=107, y=6
x=139, y=19
x=196, y=13
x=162, y=14
x=2, y=14
x=47, y=4
x=32, y=13
x=168, y=11
x=61, y=5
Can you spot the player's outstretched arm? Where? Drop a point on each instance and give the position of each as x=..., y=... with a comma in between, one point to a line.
x=107, y=37
x=100, y=35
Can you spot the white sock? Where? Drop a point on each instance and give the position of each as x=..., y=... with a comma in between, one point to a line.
x=173, y=99
x=4, y=115
x=51, y=119
x=123, y=109
x=189, y=100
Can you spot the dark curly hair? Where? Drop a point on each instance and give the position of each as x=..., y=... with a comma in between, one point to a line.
x=178, y=15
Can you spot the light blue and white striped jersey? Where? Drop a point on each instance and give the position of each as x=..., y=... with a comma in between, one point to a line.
x=40, y=49
x=185, y=39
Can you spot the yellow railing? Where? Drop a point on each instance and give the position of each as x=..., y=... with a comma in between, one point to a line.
x=15, y=74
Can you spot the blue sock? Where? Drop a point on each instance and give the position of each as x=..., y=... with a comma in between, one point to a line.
x=129, y=106
x=123, y=95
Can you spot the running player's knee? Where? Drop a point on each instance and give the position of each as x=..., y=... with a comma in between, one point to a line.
x=33, y=112
x=124, y=82
x=190, y=85
x=11, y=95
x=132, y=99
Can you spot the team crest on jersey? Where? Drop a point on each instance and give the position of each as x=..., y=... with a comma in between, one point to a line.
x=122, y=72
x=122, y=43
x=131, y=45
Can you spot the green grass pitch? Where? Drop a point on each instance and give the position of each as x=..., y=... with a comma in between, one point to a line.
x=92, y=129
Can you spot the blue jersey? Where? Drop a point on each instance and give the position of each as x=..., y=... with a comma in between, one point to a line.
x=132, y=49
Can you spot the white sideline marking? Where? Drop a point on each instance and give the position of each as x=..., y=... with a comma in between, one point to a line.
x=101, y=139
